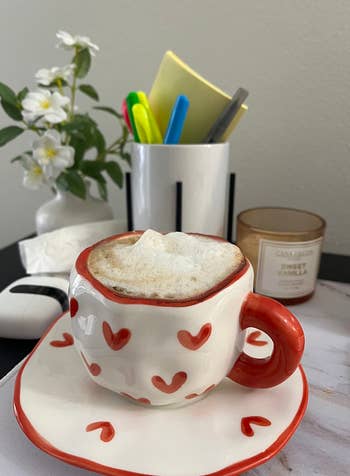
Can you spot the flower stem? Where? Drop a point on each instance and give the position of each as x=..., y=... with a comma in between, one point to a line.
x=59, y=84
x=116, y=142
x=31, y=127
x=120, y=142
x=73, y=89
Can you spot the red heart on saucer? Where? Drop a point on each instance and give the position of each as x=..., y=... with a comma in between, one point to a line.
x=115, y=340
x=177, y=381
x=251, y=339
x=195, y=342
x=107, y=433
x=68, y=340
x=94, y=368
x=246, y=422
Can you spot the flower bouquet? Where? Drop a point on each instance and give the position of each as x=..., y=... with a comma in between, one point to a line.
x=70, y=150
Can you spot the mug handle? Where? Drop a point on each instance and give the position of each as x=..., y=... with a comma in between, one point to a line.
x=287, y=335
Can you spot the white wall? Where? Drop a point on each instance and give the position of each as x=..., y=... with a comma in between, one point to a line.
x=291, y=149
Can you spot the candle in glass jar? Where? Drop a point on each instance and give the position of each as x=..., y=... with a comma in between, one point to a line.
x=284, y=246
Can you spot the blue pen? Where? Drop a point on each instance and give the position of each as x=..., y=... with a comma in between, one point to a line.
x=177, y=120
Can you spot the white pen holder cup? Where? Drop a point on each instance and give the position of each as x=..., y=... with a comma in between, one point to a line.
x=203, y=170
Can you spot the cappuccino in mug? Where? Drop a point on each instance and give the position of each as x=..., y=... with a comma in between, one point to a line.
x=161, y=319
x=173, y=266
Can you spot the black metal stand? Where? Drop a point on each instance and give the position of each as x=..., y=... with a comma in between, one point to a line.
x=129, y=201
x=178, y=212
x=231, y=203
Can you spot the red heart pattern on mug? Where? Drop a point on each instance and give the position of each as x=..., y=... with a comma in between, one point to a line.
x=115, y=340
x=107, y=433
x=176, y=382
x=252, y=339
x=246, y=423
x=194, y=342
x=94, y=368
x=145, y=401
x=67, y=341
x=73, y=307
x=195, y=395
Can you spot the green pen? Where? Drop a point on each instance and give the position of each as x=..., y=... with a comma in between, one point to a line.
x=132, y=99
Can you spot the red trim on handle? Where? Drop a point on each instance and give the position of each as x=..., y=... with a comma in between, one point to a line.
x=287, y=334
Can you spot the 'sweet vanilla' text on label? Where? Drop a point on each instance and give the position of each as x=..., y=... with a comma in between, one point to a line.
x=287, y=269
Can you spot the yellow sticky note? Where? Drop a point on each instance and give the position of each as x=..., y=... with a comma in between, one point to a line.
x=207, y=102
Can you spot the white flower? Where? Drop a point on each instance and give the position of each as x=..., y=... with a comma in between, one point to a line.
x=47, y=76
x=68, y=42
x=46, y=104
x=33, y=176
x=51, y=155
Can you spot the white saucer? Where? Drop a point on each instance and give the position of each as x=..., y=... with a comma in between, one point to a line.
x=230, y=431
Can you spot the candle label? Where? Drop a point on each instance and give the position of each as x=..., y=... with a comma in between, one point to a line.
x=287, y=269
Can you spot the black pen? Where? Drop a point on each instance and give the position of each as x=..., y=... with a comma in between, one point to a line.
x=224, y=120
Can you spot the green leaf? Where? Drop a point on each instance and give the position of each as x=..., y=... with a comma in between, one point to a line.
x=123, y=155
x=115, y=172
x=80, y=127
x=99, y=142
x=71, y=180
x=9, y=133
x=79, y=145
x=61, y=181
x=89, y=91
x=78, y=135
x=126, y=156
x=84, y=128
x=82, y=62
x=80, y=122
x=102, y=189
x=110, y=110
x=20, y=157
x=7, y=94
x=92, y=168
x=22, y=94
x=12, y=111
x=55, y=84
x=17, y=158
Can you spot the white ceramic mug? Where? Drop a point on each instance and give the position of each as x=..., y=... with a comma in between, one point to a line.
x=203, y=170
x=162, y=352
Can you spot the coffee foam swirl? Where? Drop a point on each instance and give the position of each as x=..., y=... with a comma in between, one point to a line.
x=173, y=266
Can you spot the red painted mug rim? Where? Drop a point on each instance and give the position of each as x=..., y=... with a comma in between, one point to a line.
x=83, y=270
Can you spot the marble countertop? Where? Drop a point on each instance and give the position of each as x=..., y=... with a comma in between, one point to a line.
x=321, y=444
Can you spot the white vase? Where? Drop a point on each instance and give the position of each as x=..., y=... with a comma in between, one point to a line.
x=66, y=209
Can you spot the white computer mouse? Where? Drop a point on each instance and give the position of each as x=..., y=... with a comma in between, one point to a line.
x=29, y=305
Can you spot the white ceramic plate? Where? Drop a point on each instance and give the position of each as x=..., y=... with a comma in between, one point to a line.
x=230, y=431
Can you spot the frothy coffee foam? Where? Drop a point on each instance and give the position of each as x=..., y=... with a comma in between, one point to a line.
x=172, y=266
